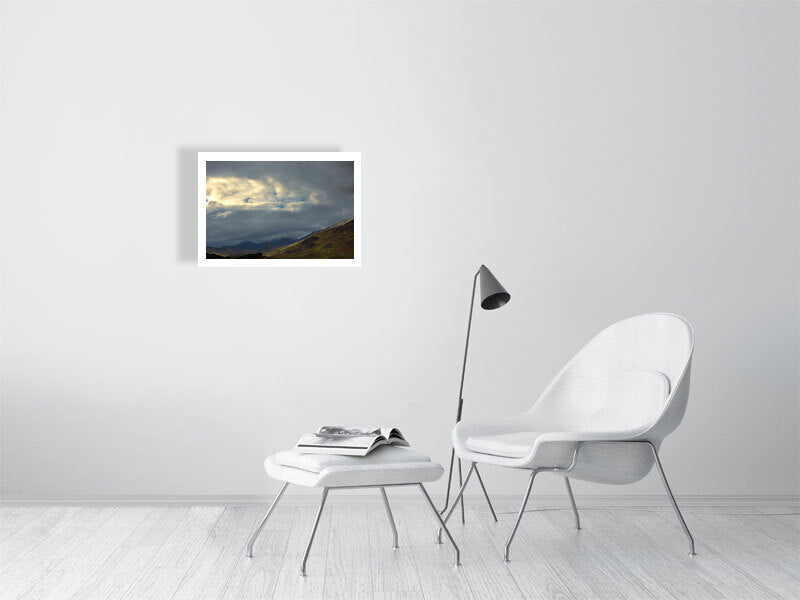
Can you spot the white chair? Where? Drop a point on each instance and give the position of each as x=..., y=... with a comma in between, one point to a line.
x=601, y=419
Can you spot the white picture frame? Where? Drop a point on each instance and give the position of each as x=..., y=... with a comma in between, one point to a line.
x=203, y=158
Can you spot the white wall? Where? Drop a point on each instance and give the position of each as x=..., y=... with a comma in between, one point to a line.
x=604, y=160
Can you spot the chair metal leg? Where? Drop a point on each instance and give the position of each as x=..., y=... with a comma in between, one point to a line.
x=461, y=482
x=672, y=500
x=391, y=518
x=485, y=495
x=455, y=502
x=442, y=523
x=574, y=507
x=313, y=531
x=257, y=532
x=519, y=516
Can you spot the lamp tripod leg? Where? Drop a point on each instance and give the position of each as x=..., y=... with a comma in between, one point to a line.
x=455, y=502
x=461, y=483
x=449, y=482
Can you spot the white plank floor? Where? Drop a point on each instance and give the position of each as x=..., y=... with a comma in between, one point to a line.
x=161, y=553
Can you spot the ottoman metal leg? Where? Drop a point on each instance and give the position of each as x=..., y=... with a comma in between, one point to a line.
x=442, y=523
x=455, y=502
x=391, y=518
x=313, y=531
x=257, y=532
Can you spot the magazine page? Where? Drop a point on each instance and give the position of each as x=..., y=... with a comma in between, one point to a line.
x=349, y=441
x=355, y=442
x=392, y=434
x=334, y=430
x=347, y=445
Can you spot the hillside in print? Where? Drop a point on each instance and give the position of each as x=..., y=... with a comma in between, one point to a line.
x=336, y=241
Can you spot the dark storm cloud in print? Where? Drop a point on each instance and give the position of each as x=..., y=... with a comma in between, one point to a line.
x=259, y=201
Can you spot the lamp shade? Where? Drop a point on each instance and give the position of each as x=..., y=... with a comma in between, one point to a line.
x=493, y=295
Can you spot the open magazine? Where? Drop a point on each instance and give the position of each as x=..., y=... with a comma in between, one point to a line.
x=349, y=441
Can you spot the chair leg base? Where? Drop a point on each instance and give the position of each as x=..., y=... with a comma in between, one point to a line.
x=671, y=497
x=574, y=506
x=507, y=547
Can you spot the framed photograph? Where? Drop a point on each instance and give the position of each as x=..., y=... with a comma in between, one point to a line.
x=279, y=209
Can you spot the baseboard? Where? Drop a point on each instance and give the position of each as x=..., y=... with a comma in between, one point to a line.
x=365, y=499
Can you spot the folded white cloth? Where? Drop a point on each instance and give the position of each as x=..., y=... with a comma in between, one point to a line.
x=387, y=465
x=380, y=456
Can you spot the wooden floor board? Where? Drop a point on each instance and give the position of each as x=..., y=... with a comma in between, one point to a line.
x=438, y=576
x=783, y=534
x=781, y=527
x=712, y=568
x=256, y=577
x=67, y=576
x=536, y=576
x=289, y=585
x=209, y=574
x=662, y=550
x=162, y=576
x=753, y=553
x=394, y=572
x=16, y=545
x=590, y=552
x=488, y=577
x=14, y=518
x=348, y=570
x=197, y=553
x=40, y=560
x=642, y=580
x=116, y=574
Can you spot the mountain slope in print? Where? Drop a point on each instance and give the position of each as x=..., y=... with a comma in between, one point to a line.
x=336, y=241
x=248, y=247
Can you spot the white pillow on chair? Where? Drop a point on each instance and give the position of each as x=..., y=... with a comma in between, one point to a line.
x=634, y=400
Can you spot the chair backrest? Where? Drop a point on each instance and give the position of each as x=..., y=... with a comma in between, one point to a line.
x=632, y=375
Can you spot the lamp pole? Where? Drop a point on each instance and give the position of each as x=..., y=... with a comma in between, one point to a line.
x=458, y=416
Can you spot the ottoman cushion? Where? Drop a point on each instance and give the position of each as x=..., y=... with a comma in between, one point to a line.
x=380, y=456
x=385, y=465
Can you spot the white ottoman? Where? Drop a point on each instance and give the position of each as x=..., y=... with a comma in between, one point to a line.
x=383, y=467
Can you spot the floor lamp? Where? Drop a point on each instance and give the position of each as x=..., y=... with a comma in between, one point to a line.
x=493, y=295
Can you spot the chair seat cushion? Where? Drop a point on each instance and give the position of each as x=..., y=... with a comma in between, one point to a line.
x=387, y=465
x=509, y=445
